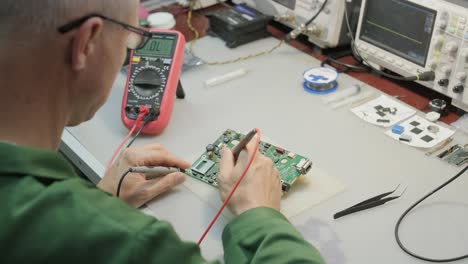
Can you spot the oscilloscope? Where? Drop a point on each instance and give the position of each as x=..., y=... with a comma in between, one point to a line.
x=327, y=31
x=413, y=36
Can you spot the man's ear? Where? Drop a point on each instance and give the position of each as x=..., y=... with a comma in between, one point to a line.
x=84, y=42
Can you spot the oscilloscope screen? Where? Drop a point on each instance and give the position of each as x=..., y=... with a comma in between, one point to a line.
x=400, y=27
x=291, y=4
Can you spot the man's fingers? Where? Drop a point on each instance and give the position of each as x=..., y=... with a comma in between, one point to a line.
x=226, y=164
x=247, y=152
x=153, y=155
x=155, y=146
x=161, y=185
x=164, y=158
x=251, y=145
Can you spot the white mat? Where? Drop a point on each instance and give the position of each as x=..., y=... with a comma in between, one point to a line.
x=309, y=190
x=369, y=112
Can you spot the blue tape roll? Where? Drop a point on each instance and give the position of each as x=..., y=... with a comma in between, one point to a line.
x=320, y=80
x=312, y=91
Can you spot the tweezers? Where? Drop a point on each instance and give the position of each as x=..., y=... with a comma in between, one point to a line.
x=369, y=203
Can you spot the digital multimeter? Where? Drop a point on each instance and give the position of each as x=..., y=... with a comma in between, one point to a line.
x=153, y=80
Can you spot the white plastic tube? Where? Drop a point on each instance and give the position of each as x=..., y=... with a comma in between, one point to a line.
x=353, y=99
x=227, y=77
x=343, y=94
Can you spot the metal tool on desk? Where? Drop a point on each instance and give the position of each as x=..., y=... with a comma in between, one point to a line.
x=369, y=203
x=449, y=151
x=440, y=147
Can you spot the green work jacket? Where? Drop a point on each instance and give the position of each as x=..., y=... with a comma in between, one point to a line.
x=50, y=215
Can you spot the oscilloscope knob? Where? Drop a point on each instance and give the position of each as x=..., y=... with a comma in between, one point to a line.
x=451, y=47
x=461, y=76
x=443, y=82
x=443, y=24
x=458, y=89
x=446, y=70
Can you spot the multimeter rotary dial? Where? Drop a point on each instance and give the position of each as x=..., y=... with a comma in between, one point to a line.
x=147, y=82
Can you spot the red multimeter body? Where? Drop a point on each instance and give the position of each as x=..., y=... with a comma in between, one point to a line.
x=153, y=79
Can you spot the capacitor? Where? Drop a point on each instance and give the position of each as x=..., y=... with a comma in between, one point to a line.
x=210, y=147
x=280, y=150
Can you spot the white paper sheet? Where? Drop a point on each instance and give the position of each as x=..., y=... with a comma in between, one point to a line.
x=421, y=137
x=369, y=112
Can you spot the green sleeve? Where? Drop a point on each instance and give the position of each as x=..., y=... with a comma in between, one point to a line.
x=159, y=243
x=263, y=235
x=73, y=222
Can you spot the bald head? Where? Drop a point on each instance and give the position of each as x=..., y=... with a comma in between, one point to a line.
x=23, y=19
x=60, y=79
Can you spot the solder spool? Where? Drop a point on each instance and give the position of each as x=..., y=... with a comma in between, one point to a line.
x=320, y=80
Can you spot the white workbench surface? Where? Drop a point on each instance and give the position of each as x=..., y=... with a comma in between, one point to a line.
x=270, y=97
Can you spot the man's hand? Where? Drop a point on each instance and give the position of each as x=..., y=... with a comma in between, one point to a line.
x=260, y=187
x=136, y=190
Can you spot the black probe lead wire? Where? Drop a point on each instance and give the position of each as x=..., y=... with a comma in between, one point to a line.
x=137, y=135
x=317, y=14
x=119, y=186
x=402, y=217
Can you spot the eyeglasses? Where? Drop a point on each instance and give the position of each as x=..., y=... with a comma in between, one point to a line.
x=137, y=38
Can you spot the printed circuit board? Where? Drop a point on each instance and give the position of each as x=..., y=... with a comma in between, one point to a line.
x=290, y=165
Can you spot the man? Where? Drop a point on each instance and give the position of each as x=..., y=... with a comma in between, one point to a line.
x=52, y=78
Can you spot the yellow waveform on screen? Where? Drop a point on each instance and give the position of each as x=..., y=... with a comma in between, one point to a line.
x=394, y=32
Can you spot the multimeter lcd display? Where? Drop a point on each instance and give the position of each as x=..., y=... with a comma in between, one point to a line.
x=158, y=47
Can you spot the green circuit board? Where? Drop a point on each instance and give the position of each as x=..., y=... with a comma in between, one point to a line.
x=289, y=164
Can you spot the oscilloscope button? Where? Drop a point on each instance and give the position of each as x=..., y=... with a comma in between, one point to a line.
x=461, y=76
x=452, y=47
x=446, y=70
x=443, y=24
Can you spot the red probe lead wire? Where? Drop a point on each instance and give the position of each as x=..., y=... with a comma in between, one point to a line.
x=143, y=112
x=233, y=189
